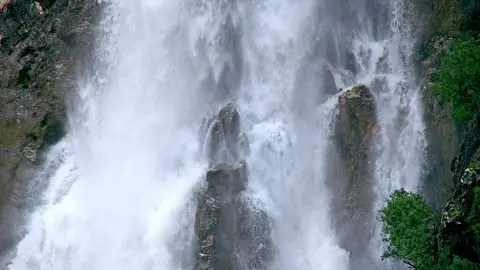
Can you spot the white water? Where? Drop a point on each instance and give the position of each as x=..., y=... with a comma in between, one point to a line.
x=132, y=161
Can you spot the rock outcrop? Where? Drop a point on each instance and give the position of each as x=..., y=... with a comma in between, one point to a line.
x=468, y=149
x=232, y=233
x=355, y=129
x=454, y=228
x=42, y=45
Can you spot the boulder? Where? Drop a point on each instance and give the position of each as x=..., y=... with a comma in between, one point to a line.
x=355, y=130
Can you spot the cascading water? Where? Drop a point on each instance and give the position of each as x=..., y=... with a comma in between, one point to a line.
x=124, y=194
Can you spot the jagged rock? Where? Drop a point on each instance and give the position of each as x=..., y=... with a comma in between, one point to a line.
x=355, y=129
x=230, y=234
x=221, y=135
x=454, y=231
x=225, y=180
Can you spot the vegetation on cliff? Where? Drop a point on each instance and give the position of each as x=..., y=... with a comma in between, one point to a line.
x=415, y=233
x=425, y=240
x=457, y=78
x=449, y=239
x=445, y=19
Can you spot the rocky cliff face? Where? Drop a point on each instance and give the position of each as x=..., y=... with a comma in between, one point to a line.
x=355, y=130
x=42, y=46
x=456, y=222
x=232, y=233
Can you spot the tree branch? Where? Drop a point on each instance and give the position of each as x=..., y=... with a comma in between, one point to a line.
x=410, y=264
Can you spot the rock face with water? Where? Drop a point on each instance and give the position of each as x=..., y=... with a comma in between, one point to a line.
x=443, y=134
x=231, y=232
x=40, y=43
x=221, y=136
x=454, y=230
x=355, y=129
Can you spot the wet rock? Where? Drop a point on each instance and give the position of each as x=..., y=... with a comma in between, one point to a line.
x=356, y=114
x=355, y=130
x=221, y=135
x=444, y=137
x=215, y=141
x=243, y=145
x=35, y=39
x=225, y=180
x=230, y=120
x=454, y=228
x=231, y=233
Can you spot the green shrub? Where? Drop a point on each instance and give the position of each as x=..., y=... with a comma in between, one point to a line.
x=409, y=225
x=411, y=230
x=459, y=79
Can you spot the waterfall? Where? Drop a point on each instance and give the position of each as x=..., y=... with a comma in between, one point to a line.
x=124, y=193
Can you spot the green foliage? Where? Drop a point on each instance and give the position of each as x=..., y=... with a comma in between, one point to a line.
x=458, y=79
x=411, y=230
x=409, y=224
x=459, y=264
x=474, y=165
